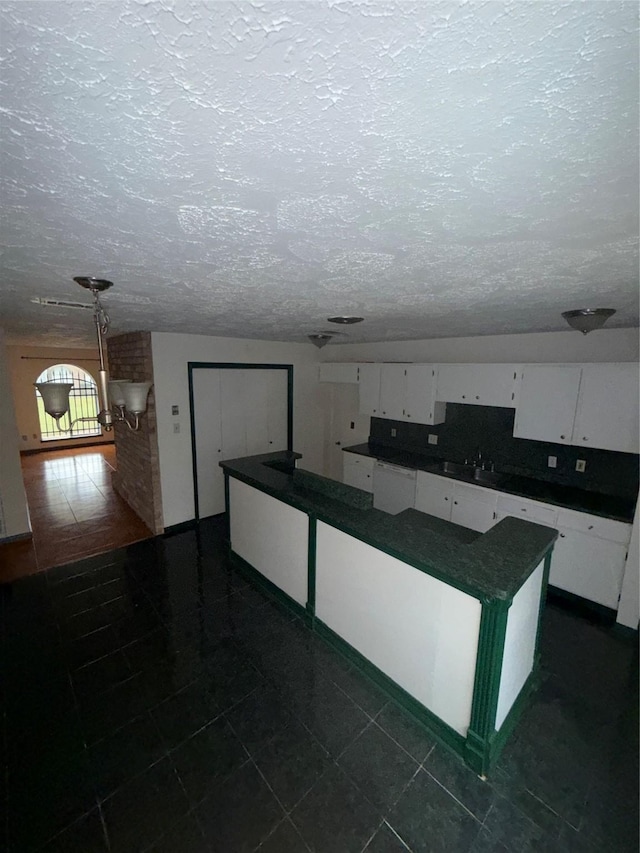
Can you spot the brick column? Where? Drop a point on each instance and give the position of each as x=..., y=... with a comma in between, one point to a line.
x=137, y=476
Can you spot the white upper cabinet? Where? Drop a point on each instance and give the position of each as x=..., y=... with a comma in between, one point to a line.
x=591, y=405
x=339, y=372
x=393, y=391
x=400, y=392
x=420, y=395
x=478, y=384
x=369, y=389
x=547, y=402
x=607, y=411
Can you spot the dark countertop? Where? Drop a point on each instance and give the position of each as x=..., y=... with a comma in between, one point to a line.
x=492, y=565
x=607, y=506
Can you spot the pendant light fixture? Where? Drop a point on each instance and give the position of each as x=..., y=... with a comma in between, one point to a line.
x=128, y=399
x=586, y=320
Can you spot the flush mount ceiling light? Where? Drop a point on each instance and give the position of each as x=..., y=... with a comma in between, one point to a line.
x=345, y=321
x=127, y=397
x=320, y=339
x=585, y=320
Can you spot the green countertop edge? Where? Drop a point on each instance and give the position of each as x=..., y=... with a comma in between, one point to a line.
x=488, y=548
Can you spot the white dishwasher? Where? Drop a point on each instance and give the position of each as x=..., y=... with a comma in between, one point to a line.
x=394, y=487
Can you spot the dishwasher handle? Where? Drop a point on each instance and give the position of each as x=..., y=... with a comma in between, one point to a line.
x=409, y=473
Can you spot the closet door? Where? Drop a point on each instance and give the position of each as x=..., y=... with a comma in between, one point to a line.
x=256, y=411
x=208, y=441
x=277, y=410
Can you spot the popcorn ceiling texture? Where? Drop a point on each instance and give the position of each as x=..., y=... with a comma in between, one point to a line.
x=249, y=169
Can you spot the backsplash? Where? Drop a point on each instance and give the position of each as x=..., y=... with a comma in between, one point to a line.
x=489, y=429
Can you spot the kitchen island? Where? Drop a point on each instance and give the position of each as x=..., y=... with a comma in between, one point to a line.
x=444, y=618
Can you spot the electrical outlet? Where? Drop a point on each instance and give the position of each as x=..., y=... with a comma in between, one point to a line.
x=433, y=438
x=393, y=432
x=581, y=465
x=353, y=425
x=176, y=428
x=175, y=410
x=25, y=438
x=552, y=461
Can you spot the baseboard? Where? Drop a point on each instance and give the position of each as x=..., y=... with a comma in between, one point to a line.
x=17, y=537
x=589, y=609
x=75, y=446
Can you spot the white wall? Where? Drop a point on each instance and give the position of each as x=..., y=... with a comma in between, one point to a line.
x=14, y=516
x=171, y=353
x=571, y=346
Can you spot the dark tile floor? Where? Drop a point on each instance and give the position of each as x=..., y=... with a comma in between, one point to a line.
x=155, y=701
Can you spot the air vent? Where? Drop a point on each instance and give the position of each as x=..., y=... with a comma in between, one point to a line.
x=59, y=303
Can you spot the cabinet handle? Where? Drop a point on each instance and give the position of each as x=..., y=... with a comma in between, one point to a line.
x=523, y=509
x=561, y=436
x=464, y=397
x=590, y=527
x=455, y=503
x=562, y=535
x=383, y=412
x=446, y=499
x=477, y=398
x=408, y=415
x=584, y=438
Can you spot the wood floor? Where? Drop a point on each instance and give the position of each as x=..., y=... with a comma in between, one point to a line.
x=74, y=511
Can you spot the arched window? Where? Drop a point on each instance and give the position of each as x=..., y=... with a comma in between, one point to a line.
x=83, y=403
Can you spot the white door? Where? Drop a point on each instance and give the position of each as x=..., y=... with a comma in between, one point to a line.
x=369, y=389
x=256, y=411
x=232, y=407
x=208, y=441
x=276, y=383
x=588, y=566
x=393, y=384
x=607, y=416
x=547, y=403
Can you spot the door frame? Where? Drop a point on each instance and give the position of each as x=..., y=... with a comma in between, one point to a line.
x=224, y=365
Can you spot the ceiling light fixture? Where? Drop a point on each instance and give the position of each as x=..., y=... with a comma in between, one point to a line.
x=586, y=320
x=320, y=339
x=345, y=321
x=128, y=398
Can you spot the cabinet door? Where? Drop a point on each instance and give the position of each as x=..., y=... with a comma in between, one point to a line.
x=434, y=495
x=369, y=389
x=473, y=508
x=358, y=472
x=393, y=384
x=477, y=384
x=607, y=415
x=420, y=393
x=588, y=566
x=338, y=372
x=547, y=403
x=527, y=510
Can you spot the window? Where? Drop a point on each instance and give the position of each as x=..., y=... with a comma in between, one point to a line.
x=83, y=403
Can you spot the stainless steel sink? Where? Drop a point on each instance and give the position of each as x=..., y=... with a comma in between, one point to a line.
x=482, y=476
x=456, y=468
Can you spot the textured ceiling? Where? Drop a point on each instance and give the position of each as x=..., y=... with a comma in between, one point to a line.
x=249, y=169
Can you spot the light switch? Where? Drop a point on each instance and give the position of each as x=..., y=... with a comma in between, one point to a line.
x=175, y=410
x=176, y=428
x=393, y=432
x=552, y=461
x=581, y=465
x=433, y=438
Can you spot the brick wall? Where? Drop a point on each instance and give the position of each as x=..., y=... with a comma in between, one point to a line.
x=137, y=478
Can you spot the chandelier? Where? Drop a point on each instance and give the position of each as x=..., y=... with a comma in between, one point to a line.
x=128, y=399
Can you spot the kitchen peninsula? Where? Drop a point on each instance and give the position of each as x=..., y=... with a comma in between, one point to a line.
x=444, y=618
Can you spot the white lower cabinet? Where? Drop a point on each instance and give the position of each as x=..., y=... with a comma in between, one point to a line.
x=358, y=471
x=466, y=505
x=589, y=556
x=590, y=552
